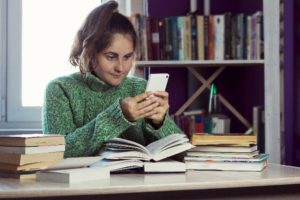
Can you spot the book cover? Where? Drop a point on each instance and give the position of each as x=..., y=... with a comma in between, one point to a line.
x=73, y=175
x=31, y=149
x=22, y=159
x=31, y=139
x=217, y=139
x=168, y=146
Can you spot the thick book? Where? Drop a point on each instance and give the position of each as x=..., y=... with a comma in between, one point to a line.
x=118, y=148
x=218, y=139
x=233, y=165
x=31, y=139
x=22, y=159
x=73, y=175
x=4, y=167
x=31, y=149
x=224, y=148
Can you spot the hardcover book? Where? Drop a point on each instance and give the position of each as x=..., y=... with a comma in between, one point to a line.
x=22, y=159
x=31, y=140
x=31, y=149
x=218, y=139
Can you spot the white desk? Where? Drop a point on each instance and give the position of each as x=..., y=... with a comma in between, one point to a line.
x=275, y=182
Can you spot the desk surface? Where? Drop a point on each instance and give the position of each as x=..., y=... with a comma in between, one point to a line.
x=273, y=175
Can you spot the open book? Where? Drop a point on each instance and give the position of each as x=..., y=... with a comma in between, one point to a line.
x=123, y=154
x=122, y=149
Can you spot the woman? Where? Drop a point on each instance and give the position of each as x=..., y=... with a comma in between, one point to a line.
x=100, y=102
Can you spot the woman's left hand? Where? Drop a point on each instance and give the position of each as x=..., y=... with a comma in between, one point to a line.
x=162, y=98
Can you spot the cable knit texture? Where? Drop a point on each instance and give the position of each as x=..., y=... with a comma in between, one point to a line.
x=87, y=111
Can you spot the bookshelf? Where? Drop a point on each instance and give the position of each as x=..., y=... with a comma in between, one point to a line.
x=271, y=65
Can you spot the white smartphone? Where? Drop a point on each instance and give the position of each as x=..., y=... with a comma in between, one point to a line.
x=157, y=82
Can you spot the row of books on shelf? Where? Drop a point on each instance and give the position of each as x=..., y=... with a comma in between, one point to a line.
x=197, y=121
x=200, y=37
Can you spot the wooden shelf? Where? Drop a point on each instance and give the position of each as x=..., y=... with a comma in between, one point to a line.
x=199, y=63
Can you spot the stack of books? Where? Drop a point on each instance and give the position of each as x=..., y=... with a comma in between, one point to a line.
x=232, y=152
x=24, y=154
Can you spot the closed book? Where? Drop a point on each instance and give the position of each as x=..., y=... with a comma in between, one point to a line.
x=224, y=148
x=200, y=37
x=248, y=165
x=31, y=139
x=17, y=175
x=73, y=175
x=258, y=158
x=164, y=166
x=217, y=139
x=22, y=159
x=219, y=35
x=28, y=167
x=31, y=149
x=223, y=154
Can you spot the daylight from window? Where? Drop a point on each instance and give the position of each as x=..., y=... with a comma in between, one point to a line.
x=48, y=30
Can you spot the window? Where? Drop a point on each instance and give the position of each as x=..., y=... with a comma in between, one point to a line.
x=35, y=41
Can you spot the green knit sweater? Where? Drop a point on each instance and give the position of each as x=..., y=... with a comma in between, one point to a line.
x=87, y=111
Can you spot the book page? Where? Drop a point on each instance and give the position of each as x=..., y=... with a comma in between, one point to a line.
x=123, y=143
x=158, y=145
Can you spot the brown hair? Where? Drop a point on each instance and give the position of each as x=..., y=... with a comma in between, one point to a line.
x=96, y=34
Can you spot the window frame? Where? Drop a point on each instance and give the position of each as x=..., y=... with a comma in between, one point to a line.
x=14, y=116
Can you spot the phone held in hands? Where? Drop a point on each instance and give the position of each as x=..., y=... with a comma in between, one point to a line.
x=157, y=82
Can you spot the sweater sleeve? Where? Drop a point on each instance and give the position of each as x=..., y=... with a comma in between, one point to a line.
x=88, y=139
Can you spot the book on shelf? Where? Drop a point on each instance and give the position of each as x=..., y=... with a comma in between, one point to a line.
x=218, y=139
x=31, y=149
x=70, y=176
x=31, y=139
x=253, y=164
x=224, y=148
x=22, y=159
x=168, y=146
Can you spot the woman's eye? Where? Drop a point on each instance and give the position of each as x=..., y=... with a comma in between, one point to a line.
x=110, y=57
x=127, y=57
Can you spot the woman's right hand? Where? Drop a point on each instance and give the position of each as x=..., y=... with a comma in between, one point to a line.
x=140, y=106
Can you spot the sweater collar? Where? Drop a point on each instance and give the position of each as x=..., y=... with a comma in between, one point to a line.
x=95, y=83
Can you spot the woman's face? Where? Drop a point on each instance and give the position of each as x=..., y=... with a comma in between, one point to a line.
x=114, y=62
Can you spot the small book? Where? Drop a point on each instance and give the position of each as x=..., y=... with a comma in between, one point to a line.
x=221, y=139
x=118, y=148
x=22, y=159
x=31, y=149
x=73, y=175
x=31, y=139
x=224, y=148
